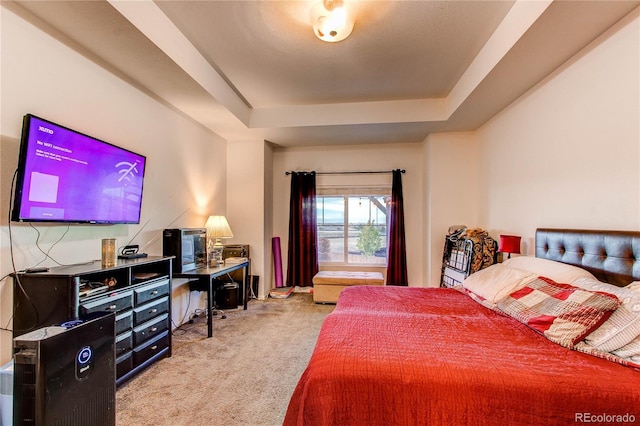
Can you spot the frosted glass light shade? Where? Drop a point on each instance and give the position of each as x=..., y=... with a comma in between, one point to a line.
x=331, y=25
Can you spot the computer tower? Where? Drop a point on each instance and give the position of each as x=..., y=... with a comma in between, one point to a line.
x=65, y=374
x=227, y=295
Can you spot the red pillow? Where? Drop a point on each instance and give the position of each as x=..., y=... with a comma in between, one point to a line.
x=562, y=313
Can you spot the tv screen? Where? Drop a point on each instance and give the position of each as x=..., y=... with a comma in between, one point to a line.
x=67, y=176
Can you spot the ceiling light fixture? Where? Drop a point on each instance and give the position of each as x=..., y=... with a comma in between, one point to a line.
x=331, y=21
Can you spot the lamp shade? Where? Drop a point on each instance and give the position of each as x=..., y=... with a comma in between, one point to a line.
x=509, y=244
x=218, y=227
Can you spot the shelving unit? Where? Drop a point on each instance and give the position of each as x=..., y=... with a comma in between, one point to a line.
x=137, y=290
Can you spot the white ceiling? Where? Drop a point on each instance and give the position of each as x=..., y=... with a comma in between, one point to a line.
x=254, y=69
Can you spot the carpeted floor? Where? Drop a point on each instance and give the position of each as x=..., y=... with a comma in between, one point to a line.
x=244, y=375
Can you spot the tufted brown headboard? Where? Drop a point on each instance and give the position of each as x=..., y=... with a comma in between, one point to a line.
x=612, y=256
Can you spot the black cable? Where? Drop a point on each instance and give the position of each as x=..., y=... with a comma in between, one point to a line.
x=15, y=274
x=183, y=317
x=46, y=254
x=6, y=328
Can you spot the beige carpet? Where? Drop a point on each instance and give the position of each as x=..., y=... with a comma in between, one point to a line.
x=243, y=375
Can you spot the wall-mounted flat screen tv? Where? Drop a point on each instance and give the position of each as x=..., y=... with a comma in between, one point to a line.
x=67, y=176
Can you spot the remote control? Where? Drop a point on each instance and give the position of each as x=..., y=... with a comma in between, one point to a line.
x=36, y=269
x=132, y=256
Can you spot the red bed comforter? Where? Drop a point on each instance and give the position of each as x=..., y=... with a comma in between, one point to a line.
x=426, y=356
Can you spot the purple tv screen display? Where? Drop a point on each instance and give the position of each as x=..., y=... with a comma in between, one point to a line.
x=66, y=176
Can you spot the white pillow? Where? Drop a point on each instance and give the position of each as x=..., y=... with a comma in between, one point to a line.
x=635, y=286
x=557, y=271
x=496, y=282
x=623, y=326
x=630, y=351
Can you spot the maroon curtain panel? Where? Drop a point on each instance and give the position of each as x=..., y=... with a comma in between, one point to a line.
x=397, y=255
x=302, y=259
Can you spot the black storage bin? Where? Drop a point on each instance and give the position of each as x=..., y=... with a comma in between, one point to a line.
x=227, y=296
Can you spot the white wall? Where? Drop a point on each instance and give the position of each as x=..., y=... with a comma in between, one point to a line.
x=356, y=158
x=42, y=76
x=451, y=198
x=247, y=202
x=567, y=153
x=267, y=252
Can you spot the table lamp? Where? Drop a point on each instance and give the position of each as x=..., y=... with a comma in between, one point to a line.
x=509, y=244
x=217, y=229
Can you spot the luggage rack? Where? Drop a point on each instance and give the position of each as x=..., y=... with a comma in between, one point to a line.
x=456, y=260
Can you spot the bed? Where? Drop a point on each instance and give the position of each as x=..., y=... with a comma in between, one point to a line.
x=437, y=356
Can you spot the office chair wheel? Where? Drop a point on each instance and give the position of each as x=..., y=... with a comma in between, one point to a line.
x=216, y=311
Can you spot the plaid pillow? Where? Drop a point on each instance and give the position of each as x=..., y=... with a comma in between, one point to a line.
x=562, y=313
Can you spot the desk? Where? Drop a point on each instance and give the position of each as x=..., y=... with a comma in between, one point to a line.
x=206, y=277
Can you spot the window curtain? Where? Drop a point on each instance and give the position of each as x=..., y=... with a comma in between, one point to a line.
x=397, y=256
x=302, y=262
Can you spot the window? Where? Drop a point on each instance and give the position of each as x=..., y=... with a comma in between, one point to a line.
x=352, y=229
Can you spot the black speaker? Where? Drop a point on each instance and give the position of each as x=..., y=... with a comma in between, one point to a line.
x=65, y=375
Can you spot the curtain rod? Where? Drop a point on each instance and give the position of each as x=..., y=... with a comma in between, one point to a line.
x=350, y=173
